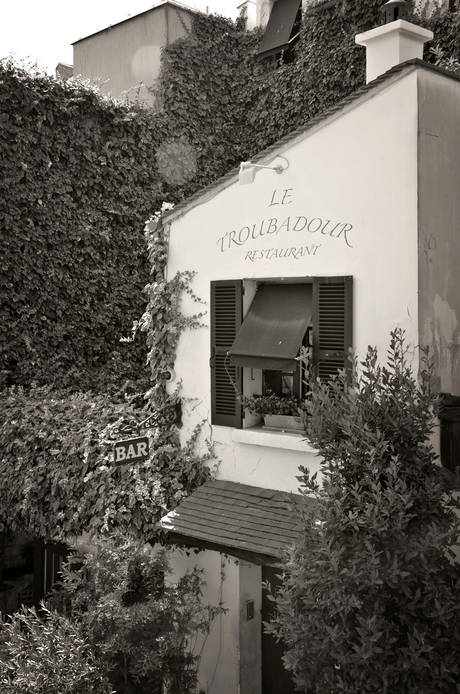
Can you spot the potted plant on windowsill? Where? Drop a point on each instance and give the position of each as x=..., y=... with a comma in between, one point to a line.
x=279, y=413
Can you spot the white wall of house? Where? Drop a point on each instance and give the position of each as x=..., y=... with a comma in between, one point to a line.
x=228, y=582
x=346, y=205
x=370, y=191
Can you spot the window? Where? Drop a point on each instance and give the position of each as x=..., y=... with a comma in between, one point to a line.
x=283, y=316
x=271, y=335
x=282, y=31
x=450, y=432
x=48, y=560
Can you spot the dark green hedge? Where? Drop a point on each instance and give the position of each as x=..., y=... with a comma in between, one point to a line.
x=76, y=185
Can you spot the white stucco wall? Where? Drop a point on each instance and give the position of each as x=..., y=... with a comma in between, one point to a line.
x=346, y=205
x=219, y=651
x=439, y=225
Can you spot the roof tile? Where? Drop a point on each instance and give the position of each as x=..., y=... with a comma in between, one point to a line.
x=237, y=515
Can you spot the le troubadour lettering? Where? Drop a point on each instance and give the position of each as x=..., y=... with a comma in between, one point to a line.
x=280, y=225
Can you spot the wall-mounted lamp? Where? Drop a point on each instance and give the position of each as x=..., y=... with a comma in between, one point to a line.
x=248, y=171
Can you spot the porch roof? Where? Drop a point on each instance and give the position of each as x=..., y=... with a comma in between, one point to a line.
x=251, y=523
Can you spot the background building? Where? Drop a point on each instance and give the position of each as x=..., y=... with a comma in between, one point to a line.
x=126, y=57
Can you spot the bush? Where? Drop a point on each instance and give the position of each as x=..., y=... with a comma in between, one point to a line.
x=57, y=473
x=370, y=601
x=140, y=626
x=47, y=654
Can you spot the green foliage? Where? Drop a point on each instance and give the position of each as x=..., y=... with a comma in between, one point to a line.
x=272, y=404
x=163, y=321
x=40, y=655
x=444, y=51
x=140, y=625
x=370, y=601
x=226, y=104
x=204, y=93
x=57, y=475
x=76, y=185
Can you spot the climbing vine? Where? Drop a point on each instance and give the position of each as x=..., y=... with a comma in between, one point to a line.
x=57, y=475
x=163, y=320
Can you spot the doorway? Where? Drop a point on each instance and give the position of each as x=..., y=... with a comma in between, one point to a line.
x=275, y=678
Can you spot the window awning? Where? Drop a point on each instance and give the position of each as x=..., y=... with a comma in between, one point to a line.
x=279, y=27
x=272, y=332
x=252, y=523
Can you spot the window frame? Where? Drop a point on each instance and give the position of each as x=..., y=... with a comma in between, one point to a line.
x=449, y=417
x=332, y=301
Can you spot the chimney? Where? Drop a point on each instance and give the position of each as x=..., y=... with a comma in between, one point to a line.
x=395, y=42
x=248, y=10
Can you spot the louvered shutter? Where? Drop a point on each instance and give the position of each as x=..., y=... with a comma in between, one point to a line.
x=226, y=318
x=332, y=325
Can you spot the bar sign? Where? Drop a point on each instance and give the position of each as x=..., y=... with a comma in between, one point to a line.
x=131, y=451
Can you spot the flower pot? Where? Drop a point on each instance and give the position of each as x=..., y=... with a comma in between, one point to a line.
x=283, y=422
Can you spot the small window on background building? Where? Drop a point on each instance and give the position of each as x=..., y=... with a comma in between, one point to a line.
x=282, y=31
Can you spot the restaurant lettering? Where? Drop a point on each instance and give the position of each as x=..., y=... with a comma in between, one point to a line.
x=272, y=253
x=295, y=224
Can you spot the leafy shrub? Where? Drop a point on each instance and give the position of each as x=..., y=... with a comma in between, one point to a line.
x=57, y=475
x=370, y=601
x=272, y=404
x=40, y=655
x=140, y=625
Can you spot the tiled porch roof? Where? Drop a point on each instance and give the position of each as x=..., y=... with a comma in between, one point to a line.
x=236, y=519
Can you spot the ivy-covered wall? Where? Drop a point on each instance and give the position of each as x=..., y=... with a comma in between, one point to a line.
x=76, y=185
x=57, y=475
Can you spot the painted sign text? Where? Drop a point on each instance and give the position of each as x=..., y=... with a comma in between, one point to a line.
x=281, y=225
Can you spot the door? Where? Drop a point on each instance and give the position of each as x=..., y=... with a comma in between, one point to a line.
x=48, y=560
x=275, y=678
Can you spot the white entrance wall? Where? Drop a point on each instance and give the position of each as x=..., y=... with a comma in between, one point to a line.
x=439, y=220
x=231, y=654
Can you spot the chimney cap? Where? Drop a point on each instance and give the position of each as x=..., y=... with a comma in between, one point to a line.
x=392, y=44
x=393, y=10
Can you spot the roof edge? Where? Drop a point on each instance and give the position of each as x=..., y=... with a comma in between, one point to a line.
x=207, y=193
x=160, y=4
x=252, y=557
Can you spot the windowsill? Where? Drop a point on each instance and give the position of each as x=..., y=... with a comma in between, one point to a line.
x=257, y=436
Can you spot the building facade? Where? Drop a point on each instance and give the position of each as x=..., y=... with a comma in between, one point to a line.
x=330, y=239
x=126, y=57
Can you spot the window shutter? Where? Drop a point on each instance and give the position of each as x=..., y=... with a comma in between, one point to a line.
x=332, y=325
x=226, y=318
